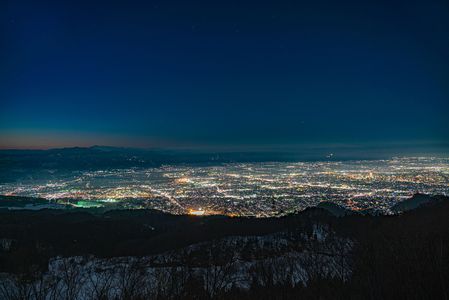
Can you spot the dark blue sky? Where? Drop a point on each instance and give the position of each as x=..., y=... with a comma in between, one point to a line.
x=223, y=73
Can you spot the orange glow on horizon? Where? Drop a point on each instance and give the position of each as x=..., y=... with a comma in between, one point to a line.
x=43, y=140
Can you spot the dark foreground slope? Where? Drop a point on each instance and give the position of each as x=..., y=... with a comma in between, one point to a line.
x=37, y=236
x=403, y=256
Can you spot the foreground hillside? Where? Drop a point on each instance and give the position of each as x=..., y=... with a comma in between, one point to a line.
x=56, y=254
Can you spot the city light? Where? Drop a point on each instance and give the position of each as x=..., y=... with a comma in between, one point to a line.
x=197, y=212
x=244, y=189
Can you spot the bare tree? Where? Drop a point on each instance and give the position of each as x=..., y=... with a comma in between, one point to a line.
x=221, y=270
x=132, y=280
x=72, y=278
x=100, y=284
x=15, y=287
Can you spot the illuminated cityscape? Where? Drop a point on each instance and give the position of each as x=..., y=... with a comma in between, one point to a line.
x=244, y=189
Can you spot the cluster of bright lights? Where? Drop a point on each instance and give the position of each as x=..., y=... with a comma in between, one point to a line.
x=250, y=189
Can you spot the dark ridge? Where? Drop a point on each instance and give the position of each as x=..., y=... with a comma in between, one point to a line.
x=416, y=201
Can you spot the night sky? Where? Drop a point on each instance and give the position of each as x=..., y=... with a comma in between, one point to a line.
x=223, y=73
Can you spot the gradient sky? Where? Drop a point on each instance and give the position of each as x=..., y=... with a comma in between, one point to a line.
x=226, y=73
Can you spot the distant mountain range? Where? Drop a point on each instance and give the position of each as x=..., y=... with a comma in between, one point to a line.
x=101, y=157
